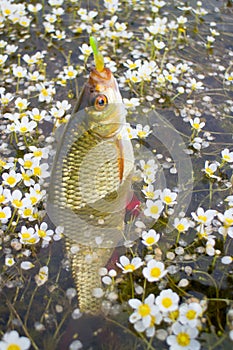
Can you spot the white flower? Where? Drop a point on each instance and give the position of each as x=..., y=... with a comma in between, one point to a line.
x=37, y=115
x=143, y=131
x=181, y=20
x=226, y=260
x=24, y=125
x=26, y=265
x=58, y=233
x=229, y=199
x=19, y=72
x=131, y=103
x=70, y=72
x=12, y=340
x=16, y=199
x=12, y=178
x=168, y=197
x=28, y=236
x=45, y=92
x=227, y=217
x=227, y=156
x=229, y=77
x=9, y=261
x=29, y=59
x=42, y=276
x=24, y=21
x=85, y=49
x=204, y=217
x=159, y=26
x=167, y=300
x=210, y=169
x=43, y=233
x=144, y=311
x=5, y=195
x=129, y=266
x=21, y=103
x=154, y=271
x=183, y=338
x=150, y=193
x=3, y=59
x=153, y=208
x=189, y=313
x=6, y=98
x=194, y=85
x=149, y=238
x=159, y=44
x=197, y=124
x=59, y=35
x=181, y=225
x=34, y=8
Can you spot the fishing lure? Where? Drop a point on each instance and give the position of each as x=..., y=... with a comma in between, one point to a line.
x=91, y=180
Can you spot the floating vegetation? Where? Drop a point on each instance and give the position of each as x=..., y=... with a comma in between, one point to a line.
x=168, y=283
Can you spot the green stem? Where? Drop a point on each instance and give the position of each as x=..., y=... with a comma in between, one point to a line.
x=132, y=285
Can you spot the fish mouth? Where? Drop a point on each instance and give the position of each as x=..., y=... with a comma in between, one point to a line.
x=104, y=78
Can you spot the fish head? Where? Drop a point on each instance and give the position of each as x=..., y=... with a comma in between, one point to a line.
x=102, y=102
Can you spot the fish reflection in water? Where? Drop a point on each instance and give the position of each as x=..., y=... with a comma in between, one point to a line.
x=90, y=183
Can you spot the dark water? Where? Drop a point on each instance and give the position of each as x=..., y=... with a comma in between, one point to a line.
x=24, y=305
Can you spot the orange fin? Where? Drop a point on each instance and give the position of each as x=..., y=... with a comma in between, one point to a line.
x=120, y=158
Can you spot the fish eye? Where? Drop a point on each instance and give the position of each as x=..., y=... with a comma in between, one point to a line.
x=100, y=102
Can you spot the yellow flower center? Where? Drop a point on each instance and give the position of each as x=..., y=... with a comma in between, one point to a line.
x=44, y=92
x=41, y=233
x=228, y=221
x=150, y=240
x=174, y=315
x=132, y=65
x=23, y=129
x=37, y=117
x=26, y=235
x=154, y=209
x=134, y=79
x=7, y=12
x=2, y=198
x=149, y=194
x=27, y=164
x=13, y=347
x=226, y=157
x=33, y=200
x=17, y=203
x=183, y=339
x=11, y=180
x=70, y=74
x=37, y=171
x=144, y=310
x=27, y=212
x=191, y=314
x=32, y=240
x=202, y=218
x=209, y=171
x=37, y=153
x=20, y=105
x=129, y=267
x=196, y=125
x=155, y=272
x=2, y=163
x=167, y=302
x=180, y=227
x=25, y=177
x=167, y=199
x=142, y=134
x=2, y=215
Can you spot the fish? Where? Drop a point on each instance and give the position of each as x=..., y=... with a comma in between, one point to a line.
x=91, y=178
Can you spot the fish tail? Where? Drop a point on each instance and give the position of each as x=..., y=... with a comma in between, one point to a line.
x=85, y=265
